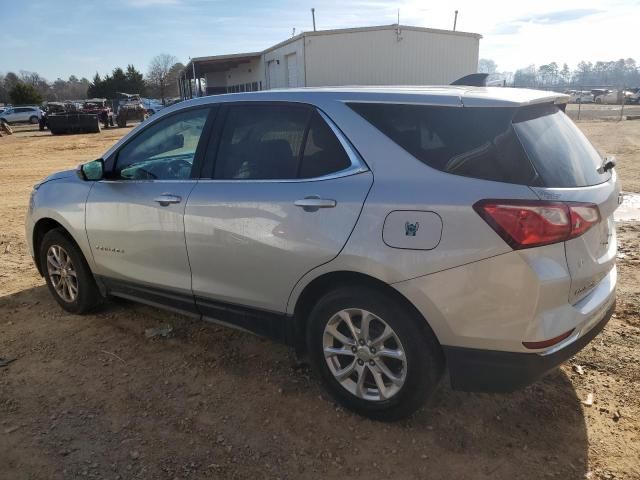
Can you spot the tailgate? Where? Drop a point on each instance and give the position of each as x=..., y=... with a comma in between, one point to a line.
x=592, y=255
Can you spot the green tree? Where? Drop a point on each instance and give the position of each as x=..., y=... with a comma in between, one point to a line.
x=25, y=94
x=10, y=81
x=4, y=93
x=95, y=88
x=565, y=74
x=135, y=81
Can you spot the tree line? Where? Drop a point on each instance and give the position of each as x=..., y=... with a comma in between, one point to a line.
x=27, y=87
x=622, y=73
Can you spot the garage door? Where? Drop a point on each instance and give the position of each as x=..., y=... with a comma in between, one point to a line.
x=292, y=70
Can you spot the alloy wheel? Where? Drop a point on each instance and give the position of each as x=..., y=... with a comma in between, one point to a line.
x=364, y=354
x=62, y=273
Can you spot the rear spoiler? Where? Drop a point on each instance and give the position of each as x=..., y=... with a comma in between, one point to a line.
x=472, y=80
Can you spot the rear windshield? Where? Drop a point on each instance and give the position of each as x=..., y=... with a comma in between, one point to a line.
x=535, y=145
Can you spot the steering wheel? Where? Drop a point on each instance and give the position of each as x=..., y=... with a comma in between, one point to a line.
x=174, y=167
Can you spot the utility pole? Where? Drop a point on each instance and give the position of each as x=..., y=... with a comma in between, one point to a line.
x=313, y=17
x=455, y=20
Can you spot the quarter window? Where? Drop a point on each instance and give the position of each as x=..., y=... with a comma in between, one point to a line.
x=164, y=151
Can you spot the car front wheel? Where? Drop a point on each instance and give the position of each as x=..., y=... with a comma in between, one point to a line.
x=374, y=354
x=67, y=274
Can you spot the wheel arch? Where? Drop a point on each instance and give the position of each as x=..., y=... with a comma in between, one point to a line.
x=314, y=290
x=40, y=229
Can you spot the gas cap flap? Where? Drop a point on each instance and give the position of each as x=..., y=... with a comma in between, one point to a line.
x=412, y=229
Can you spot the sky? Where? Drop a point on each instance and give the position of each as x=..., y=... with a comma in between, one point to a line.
x=58, y=38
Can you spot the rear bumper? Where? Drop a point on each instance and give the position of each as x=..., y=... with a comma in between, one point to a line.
x=497, y=371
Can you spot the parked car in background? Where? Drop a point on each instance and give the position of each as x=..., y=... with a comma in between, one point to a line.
x=152, y=105
x=632, y=95
x=21, y=115
x=101, y=108
x=576, y=96
x=486, y=243
x=608, y=97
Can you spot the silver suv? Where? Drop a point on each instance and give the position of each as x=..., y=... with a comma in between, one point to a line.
x=384, y=232
x=21, y=114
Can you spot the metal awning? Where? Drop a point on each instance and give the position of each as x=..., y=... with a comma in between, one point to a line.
x=217, y=63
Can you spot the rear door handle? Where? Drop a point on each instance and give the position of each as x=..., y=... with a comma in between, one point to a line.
x=166, y=198
x=311, y=204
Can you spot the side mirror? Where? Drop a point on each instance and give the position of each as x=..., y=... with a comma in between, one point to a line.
x=91, y=171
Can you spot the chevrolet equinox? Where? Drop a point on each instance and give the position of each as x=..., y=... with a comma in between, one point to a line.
x=387, y=233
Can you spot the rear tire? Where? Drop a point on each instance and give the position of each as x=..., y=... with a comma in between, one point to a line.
x=33, y=120
x=68, y=276
x=412, y=362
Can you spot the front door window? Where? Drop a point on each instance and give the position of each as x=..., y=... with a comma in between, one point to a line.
x=164, y=151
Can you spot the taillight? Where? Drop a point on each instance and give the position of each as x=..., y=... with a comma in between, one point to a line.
x=532, y=223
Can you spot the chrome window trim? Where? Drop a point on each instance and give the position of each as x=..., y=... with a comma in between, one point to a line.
x=348, y=172
x=120, y=180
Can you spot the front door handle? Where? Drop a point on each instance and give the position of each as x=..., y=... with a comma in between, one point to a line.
x=166, y=198
x=311, y=204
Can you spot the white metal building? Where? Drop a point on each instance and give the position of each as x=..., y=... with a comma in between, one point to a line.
x=382, y=55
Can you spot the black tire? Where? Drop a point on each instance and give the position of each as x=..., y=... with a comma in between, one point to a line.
x=88, y=296
x=424, y=359
x=33, y=120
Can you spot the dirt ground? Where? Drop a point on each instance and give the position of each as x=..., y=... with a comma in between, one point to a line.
x=92, y=397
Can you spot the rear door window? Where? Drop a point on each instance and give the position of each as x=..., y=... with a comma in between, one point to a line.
x=534, y=145
x=261, y=142
x=277, y=142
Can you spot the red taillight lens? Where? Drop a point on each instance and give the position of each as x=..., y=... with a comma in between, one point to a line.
x=548, y=343
x=526, y=224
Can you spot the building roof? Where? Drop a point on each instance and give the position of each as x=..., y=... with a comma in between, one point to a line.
x=218, y=63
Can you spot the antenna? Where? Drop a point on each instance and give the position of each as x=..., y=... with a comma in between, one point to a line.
x=313, y=17
x=455, y=20
x=293, y=34
x=398, y=31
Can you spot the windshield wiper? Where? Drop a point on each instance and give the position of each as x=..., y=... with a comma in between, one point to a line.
x=607, y=164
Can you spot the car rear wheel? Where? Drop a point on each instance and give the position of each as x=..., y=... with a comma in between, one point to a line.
x=375, y=355
x=67, y=274
x=33, y=120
